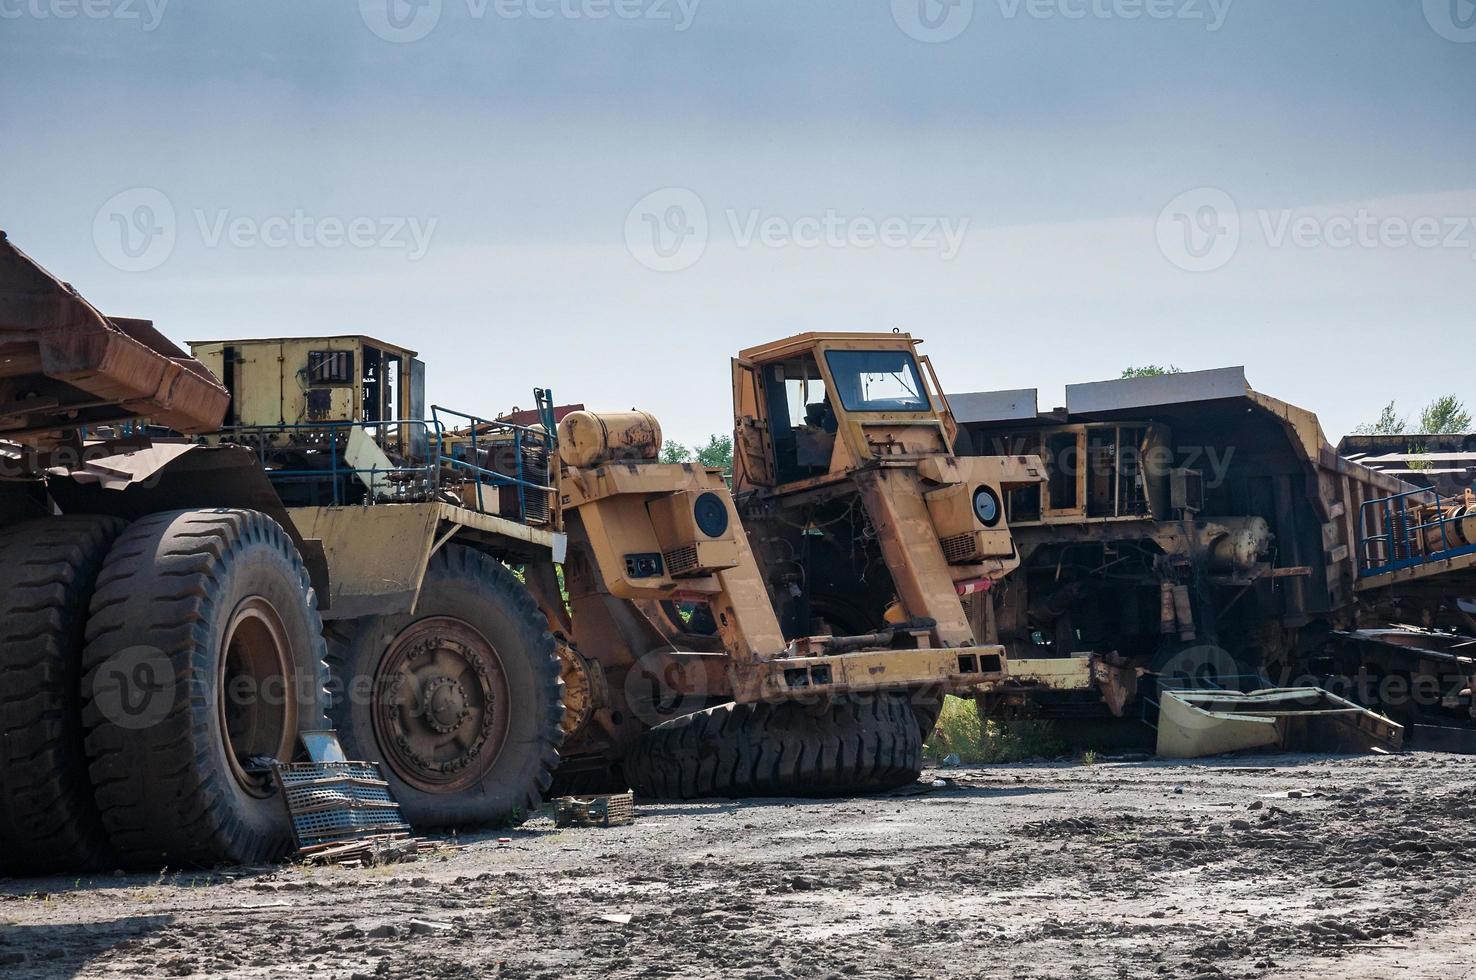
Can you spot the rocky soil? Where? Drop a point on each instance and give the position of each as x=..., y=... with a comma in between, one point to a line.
x=1273, y=866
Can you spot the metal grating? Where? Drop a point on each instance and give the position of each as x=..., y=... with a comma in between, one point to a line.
x=961, y=549
x=333, y=801
x=681, y=561
x=612, y=810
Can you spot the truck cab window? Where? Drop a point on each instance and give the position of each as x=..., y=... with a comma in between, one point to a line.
x=801, y=419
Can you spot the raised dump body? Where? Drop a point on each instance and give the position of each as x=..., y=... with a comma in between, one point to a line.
x=64, y=365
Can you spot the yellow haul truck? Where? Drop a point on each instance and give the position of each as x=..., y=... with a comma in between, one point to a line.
x=861, y=514
x=301, y=544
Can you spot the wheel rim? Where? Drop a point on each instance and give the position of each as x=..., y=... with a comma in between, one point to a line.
x=258, y=712
x=441, y=705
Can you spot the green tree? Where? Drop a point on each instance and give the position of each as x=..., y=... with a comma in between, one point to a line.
x=1445, y=415
x=717, y=454
x=675, y=452
x=1389, y=424
x=1150, y=371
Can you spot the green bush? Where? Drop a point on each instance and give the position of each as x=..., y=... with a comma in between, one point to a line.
x=960, y=732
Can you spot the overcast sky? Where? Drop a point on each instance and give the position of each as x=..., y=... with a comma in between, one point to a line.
x=611, y=197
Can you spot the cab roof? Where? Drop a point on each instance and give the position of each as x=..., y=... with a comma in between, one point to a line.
x=801, y=342
x=355, y=337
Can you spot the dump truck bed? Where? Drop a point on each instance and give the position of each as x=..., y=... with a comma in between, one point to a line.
x=64, y=365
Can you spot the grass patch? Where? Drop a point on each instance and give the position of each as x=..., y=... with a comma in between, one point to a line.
x=959, y=732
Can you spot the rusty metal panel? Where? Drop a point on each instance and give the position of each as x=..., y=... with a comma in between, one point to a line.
x=958, y=670
x=1194, y=724
x=894, y=501
x=77, y=367
x=376, y=555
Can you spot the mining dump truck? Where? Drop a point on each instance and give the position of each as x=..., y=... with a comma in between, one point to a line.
x=862, y=515
x=208, y=557
x=1194, y=531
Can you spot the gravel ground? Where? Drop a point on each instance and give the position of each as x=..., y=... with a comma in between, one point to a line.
x=1268, y=866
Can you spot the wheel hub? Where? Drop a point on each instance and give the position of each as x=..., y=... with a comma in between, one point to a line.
x=445, y=704
x=258, y=713
x=441, y=705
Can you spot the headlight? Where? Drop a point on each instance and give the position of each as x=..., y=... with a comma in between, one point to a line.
x=711, y=515
x=986, y=506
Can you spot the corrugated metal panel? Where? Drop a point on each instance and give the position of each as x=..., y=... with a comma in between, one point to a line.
x=994, y=406
x=1169, y=389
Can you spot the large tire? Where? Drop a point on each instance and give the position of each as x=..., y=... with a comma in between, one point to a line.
x=48, y=822
x=460, y=702
x=866, y=745
x=204, y=651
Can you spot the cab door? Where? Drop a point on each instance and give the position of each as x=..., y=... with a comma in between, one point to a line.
x=753, y=445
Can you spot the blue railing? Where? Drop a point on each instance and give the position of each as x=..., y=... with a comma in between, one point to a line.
x=515, y=444
x=1412, y=528
x=429, y=460
x=328, y=442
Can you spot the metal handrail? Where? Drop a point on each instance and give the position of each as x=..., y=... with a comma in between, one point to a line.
x=338, y=474
x=523, y=436
x=1403, y=540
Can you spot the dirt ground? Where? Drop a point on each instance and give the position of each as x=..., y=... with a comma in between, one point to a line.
x=1279, y=866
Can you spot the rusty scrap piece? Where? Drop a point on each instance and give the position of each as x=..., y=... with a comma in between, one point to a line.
x=613, y=810
x=63, y=364
x=366, y=851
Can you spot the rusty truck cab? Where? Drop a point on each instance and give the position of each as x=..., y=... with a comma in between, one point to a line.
x=813, y=408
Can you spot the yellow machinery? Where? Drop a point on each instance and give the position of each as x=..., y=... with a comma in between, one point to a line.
x=466, y=600
x=862, y=515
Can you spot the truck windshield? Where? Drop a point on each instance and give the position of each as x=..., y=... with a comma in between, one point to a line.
x=877, y=380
